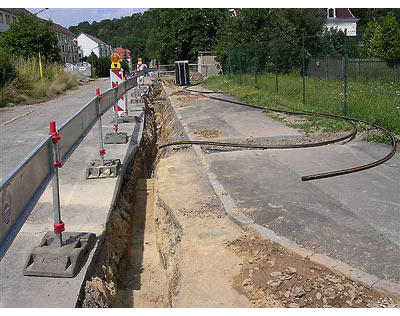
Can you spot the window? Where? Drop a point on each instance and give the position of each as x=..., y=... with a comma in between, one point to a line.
x=63, y=48
x=331, y=13
x=1, y=18
x=14, y=19
x=7, y=19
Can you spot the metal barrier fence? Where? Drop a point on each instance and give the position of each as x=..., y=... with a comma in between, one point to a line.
x=22, y=188
x=327, y=73
x=207, y=70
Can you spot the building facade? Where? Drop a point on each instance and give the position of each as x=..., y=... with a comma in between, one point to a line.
x=341, y=19
x=89, y=43
x=69, y=50
x=7, y=17
x=206, y=64
x=68, y=44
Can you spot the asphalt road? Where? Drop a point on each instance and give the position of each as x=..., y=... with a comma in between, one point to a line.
x=23, y=127
x=353, y=218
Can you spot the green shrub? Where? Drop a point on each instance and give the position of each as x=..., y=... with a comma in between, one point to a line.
x=6, y=68
x=28, y=87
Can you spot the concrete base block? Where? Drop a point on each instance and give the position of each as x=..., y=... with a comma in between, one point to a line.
x=107, y=170
x=50, y=260
x=116, y=138
x=128, y=119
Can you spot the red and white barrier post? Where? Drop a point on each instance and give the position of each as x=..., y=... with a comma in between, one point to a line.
x=58, y=224
x=102, y=151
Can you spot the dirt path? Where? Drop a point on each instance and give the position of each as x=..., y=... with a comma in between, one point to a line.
x=144, y=285
x=185, y=251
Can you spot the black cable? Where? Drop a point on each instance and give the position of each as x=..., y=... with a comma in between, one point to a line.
x=322, y=175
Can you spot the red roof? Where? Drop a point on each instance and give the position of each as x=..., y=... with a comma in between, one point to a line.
x=344, y=13
x=121, y=52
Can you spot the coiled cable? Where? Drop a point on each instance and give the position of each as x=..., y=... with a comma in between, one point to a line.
x=316, y=176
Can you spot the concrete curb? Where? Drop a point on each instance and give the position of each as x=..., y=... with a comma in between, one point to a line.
x=245, y=222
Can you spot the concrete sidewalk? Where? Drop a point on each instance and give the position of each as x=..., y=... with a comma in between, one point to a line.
x=352, y=218
x=85, y=205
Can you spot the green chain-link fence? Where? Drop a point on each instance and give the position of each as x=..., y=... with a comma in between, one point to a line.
x=321, y=73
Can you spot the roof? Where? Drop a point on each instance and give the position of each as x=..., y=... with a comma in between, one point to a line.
x=93, y=38
x=17, y=11
x=345, y=14
x=60, y=29
x=122, y=51
x=56, y=27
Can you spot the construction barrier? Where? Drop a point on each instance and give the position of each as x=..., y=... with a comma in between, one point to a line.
x=19, y=196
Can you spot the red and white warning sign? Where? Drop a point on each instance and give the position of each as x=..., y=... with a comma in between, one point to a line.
x=117, y=77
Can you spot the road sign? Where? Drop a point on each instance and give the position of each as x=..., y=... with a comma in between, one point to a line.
x=115, y=61
x=117, y=77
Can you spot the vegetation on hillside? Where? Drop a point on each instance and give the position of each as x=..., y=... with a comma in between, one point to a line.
x=20, y=80
x=169, y=34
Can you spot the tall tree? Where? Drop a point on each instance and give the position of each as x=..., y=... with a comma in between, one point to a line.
x=264, y=25
x=28, y=36
x=372, y=40
x=180, y=33
x=391, y=39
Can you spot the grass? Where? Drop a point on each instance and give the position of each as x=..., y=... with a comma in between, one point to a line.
x=27, y=87
x=377, y=102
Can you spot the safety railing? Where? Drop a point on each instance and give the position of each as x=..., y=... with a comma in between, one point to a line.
x=22, y=188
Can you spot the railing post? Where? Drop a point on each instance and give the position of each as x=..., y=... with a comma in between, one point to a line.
x=303, y=64
x=345, y=74
x=116, y=111
x=58, y=224
x=102, y=151
x=276, y=68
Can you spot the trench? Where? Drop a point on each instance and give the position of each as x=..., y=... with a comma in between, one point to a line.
x=136, y=261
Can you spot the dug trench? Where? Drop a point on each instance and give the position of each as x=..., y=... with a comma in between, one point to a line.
x=170, y=243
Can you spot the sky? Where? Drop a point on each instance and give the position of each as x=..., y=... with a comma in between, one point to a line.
x=72, y=16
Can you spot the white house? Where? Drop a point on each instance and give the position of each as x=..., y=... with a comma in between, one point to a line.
x=342, y=19
x=89, y=43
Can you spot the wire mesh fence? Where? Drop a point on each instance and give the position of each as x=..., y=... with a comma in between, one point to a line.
x=324, y=73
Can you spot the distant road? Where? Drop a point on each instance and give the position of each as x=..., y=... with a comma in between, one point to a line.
x=23, y=127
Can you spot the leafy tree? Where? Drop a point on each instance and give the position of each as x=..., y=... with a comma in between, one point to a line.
x=7, y=72
x=372, y=45
x=28, y=36
x=180, y=33
x=285, y=26
x=382, y=40
x=366, y=15
x=391, y=39
x=153, y=42
x=128, y=32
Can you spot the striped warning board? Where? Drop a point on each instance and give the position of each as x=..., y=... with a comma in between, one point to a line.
x=117, y=77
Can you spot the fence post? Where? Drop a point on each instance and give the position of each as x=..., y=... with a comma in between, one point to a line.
x=102, y=151
x=229, y=64
x=255, y=65
x=58, y=224
x=276, y=68
x=345, y=74
x=240, y=65
x=303, y=69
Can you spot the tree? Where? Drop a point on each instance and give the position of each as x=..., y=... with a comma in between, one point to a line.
x=28, y=36
x=127, y=32
x=382, y=39
x=391, y=39
x=180, y=33
x=285, y=26
x=372, y=44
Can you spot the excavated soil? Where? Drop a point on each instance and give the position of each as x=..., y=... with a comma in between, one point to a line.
x=170, y=243
x=271, y=270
